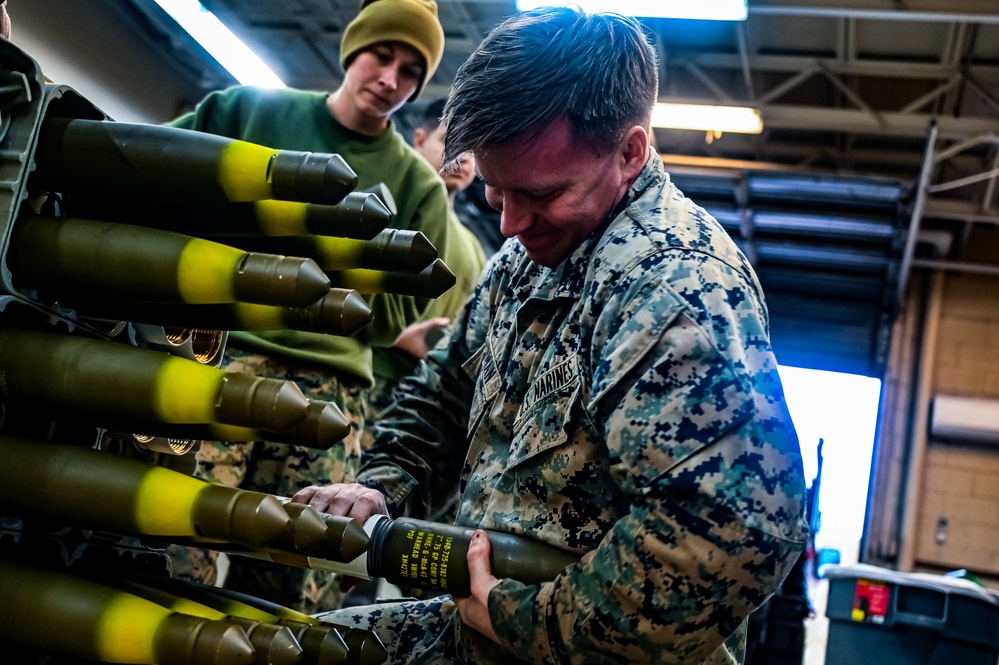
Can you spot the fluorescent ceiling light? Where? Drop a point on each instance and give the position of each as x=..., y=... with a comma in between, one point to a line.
x=711, y=10
x=221, y=44
x=738, y=119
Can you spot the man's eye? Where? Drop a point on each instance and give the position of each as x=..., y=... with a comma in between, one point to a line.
x=544, y=196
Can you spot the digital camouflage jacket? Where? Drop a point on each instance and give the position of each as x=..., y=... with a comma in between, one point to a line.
x=625, y=406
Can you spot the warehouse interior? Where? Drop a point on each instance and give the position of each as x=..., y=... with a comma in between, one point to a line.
x=867, y=204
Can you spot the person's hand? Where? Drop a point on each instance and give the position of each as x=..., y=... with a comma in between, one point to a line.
x=352, y=500
x=474, y=610
x=413, y=340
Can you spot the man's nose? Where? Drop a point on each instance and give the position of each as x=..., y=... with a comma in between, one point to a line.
x=514, y=218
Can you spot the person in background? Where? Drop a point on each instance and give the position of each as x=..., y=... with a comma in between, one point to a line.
x=4, y=20
x=465, y=257
x=388, y=51
x=609, y=389
x=465, y=253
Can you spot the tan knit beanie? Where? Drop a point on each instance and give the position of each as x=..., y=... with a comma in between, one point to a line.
x=412, y=22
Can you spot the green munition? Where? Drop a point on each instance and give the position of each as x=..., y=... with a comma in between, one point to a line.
x=321, y=643
x=343, y=541
x=431, y=282
x=392, y=249
x=360, y=215
x=340, y=312
x=149, y=265
x=307, y=529
x=433, y=556
x=99, y=379
x=80, y=487
x=154, y=162
x=61, y=614
x=412, y=552
x=274, y=644
x=319, y=433
x=363, y=646
x=323, y=426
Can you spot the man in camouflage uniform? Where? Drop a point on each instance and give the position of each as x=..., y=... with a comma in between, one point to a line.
x=609, y=389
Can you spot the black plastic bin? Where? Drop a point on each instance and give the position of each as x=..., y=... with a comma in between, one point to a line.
x=882, y=617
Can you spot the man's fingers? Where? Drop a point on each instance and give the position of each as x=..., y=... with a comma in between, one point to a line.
x=304, y=495
x=352, y=500
x=358, y=502
x=474, y=610
x=478, y=563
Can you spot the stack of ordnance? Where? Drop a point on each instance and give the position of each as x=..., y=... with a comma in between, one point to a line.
x=127, y=253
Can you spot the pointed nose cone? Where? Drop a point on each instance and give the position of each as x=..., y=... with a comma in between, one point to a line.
x=373, y=212
x=308, y=528
x=182, y=638
x=361, y=215
x=311, y=177
x=322, y=427
x=342, y=312
x=274, y=644
x=399, y=250
x=273, y=279
x=240, y=516
x=321, y=644
x=273, y=405
x=365, y=647
x=346, y=539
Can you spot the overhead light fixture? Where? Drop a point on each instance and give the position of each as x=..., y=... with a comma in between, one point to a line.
x=704, y=117
x=709, y=10
x=235, y=56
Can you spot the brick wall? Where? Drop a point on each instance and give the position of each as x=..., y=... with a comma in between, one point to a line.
x=958, y=519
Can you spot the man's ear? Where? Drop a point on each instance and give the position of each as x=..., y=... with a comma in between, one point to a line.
x=634, y=151
x=419, y=137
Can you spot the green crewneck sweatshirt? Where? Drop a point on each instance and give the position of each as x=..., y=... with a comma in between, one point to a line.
x=300, y=120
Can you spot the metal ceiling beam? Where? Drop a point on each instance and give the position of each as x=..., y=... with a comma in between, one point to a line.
x=861, y=67
x=958, y=211
x=821, y=119
x=949, y=16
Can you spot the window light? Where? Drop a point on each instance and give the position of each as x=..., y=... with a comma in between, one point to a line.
x=716, y=119
x=712, y=10
x=221, y=44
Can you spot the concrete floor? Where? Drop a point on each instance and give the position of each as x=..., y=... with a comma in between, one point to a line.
x=817, y=627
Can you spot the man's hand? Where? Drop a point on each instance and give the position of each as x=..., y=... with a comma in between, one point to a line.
x=474, y=610
x=353, y=500
x=413, y=340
